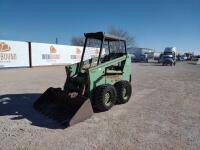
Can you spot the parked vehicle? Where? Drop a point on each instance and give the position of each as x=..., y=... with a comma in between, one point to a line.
x=188, y=56
x=133, y=58
x=160, y=58
x=169, y=56
x=144, y=58
x=156, y=56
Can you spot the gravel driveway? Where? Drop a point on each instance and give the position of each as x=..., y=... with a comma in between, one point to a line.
x=163, y=112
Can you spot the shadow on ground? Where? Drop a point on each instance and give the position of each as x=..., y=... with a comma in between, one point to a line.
x=20, y=106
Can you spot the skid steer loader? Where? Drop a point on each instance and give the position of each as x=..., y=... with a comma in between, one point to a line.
x=97, y=82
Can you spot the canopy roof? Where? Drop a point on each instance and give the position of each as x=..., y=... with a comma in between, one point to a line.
x=103, y=35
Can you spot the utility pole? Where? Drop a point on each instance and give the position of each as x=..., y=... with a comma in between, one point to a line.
x=56, y=40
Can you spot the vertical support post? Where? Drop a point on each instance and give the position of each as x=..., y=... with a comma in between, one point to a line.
x=30, y=54
x=100, y=51
x=125, y=47
x=108, y=46
x=83, y=53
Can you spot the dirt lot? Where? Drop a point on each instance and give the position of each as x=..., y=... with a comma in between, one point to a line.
x=163, y=113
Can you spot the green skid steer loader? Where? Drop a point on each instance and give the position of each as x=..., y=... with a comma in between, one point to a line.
x=100, y=80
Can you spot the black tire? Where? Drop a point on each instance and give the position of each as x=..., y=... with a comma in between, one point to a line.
x=120, y=87
x=104, y=97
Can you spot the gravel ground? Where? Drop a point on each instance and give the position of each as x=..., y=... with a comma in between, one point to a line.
x=163, y=112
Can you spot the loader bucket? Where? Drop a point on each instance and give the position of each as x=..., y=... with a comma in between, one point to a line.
x=57, y=105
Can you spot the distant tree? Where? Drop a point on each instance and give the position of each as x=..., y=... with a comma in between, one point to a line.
x=77, y=40
x=130, y=40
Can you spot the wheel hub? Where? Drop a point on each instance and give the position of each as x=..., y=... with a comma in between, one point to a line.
x=125, y=93
x=107, y=98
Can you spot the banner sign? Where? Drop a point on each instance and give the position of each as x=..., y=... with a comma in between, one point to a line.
x=14, y=54
x=53, y=54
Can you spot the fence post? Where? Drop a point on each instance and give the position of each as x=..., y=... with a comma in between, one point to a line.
x=30, y=54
